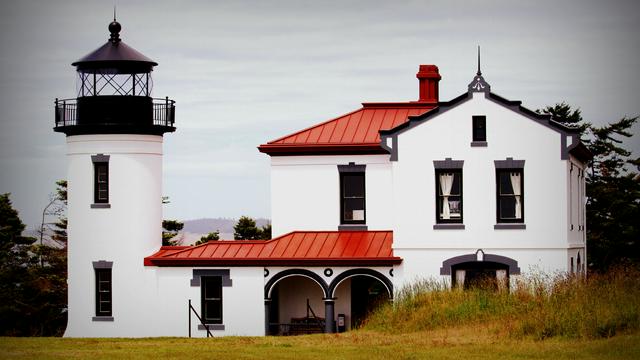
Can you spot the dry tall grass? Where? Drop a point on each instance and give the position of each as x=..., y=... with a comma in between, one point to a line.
x=537, y=305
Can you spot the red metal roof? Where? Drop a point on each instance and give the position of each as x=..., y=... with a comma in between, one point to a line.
x=299, y=248
x=355, y=132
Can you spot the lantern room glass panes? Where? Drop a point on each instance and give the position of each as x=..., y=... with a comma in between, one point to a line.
x=105, y=83
x=353, y=198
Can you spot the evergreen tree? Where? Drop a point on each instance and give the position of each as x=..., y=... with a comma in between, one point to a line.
x=612, y=189
x=171, y=228
x=246, y=229
x=212, y=236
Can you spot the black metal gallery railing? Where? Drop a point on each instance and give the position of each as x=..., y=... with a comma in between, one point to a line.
x=115, y=110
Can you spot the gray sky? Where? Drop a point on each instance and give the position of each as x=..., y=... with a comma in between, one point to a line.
x=245, y=72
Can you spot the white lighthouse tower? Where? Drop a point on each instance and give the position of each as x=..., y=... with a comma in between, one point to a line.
x=114, y=132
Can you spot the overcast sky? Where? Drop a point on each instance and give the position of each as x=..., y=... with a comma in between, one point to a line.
x=245, y=72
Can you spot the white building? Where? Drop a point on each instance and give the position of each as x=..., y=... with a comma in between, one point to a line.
x=474, y=188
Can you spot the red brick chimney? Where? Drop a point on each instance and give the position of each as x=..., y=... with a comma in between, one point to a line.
x=428, y=78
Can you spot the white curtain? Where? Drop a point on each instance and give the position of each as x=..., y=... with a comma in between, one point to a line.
x=515, y=184
x=446, y=182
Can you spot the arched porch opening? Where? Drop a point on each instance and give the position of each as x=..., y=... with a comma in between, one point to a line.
x=357, y=292
x=295, y=303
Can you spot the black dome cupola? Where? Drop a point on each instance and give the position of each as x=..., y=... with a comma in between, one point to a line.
x=114, y=94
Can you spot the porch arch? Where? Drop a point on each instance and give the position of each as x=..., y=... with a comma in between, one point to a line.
x=361, y=272
x=511, y=264
x=295, y=272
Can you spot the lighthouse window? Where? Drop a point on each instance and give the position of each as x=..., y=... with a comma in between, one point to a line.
x=211, y=293
x=100, y=180
x=103, y=291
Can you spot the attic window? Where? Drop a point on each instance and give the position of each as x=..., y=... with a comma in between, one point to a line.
x=479, y=131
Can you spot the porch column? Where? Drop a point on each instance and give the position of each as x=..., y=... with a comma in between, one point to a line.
x=329, y=321
x=267, y=305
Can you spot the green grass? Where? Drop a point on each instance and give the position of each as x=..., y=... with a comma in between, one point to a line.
x=538, y=306
x=541, y=318
x=468, y=342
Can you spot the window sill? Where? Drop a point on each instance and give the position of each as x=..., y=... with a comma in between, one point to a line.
x=509, y=226
x=102, y=318
x=448, y=227
x=479, y=144
x=100, y=206
x=211, y=327
x=352, y=227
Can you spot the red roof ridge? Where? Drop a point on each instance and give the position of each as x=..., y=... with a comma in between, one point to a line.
x=312, y=127
x=398, y=105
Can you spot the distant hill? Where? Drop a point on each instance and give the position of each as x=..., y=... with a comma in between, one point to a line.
x=194, y=229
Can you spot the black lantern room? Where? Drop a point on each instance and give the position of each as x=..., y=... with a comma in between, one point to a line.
x=114, y=94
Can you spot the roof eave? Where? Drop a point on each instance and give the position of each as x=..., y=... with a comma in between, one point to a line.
x=322, y=149
x=173, y=262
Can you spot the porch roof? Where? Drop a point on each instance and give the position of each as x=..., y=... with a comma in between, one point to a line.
x=298, y=248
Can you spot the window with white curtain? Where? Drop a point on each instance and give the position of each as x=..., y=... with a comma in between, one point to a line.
x=510, y=195
x=449, y=196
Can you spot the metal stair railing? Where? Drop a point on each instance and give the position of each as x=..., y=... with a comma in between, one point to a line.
x=209, y=334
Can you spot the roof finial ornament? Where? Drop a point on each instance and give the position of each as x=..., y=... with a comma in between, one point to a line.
x=479, y=84
x=114, y=29
x=479, y=72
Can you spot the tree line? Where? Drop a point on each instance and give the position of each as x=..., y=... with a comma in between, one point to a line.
x=33, y=271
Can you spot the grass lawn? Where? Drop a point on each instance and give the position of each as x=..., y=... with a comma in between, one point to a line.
x=468, y=342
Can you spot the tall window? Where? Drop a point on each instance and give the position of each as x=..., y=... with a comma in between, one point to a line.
x=103, y=292
x=449, y=196
x=510, y=195
x=352, y=198
x=211, y=293
x=479, y=128
x=100, y=180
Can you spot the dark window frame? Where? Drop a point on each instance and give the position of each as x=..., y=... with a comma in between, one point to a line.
x=439, y=196
x=479, y=128
x=499, y=219
x=103, y=274
x=100, y=181
x=205, y=282
x=354, y=171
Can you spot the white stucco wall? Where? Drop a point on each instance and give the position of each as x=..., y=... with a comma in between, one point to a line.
x=124, y=233
x=305, y=192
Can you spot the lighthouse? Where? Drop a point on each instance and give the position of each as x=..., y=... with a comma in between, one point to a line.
x=114, y=133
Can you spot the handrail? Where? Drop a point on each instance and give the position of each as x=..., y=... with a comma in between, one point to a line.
x=199, y=318
x=314, y=314
x=163, y=112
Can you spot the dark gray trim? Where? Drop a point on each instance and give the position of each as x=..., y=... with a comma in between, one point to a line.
x=266, y=272
x=355, y=272
x=102, y=318
x=352, y=167
x=328, y=272
x=211, y=327
x=350, y=227
x=295, y=272
x=479, y=144
x=509, y=226
x=416, y=120
x=447, y=163
x=101, y=264
x=448, y=227
x=511, y=263
x=100, y=158
x=100, y=206
x=514, y=105
x=509, y=163
x=224, y=273
x=478, y=84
